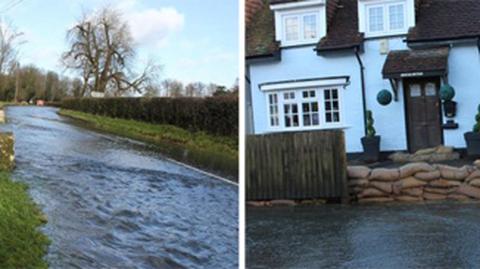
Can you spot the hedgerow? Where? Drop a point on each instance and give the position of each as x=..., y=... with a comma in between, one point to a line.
x=214, y=115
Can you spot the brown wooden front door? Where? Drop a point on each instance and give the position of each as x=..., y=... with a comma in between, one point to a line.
x=423, y=113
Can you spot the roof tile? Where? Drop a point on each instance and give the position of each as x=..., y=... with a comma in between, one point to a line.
x=343, y=29
x=260, y=33
x=407, y=61
x=446, y=19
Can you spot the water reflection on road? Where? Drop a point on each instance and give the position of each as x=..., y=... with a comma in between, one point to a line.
x=375, y=236
x=114, y=203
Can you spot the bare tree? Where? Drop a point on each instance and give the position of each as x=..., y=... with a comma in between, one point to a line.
x=195, y=89
x=172, y=88
x=235, y=87
x=102, y=51
x=211, y=89
x=151, y=91
x=10, y=41
x=77, y=87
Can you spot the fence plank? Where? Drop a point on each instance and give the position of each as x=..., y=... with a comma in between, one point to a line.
x=300, y=165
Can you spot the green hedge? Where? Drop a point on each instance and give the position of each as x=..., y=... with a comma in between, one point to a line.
x=215, y=115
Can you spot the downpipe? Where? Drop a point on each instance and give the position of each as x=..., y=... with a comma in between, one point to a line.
x=362, y=78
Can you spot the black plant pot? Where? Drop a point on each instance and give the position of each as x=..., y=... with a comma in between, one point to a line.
x=371, y=148
x=473, y=143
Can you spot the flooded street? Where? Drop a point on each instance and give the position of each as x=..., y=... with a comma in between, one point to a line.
x=115, y=203
x=371, y=236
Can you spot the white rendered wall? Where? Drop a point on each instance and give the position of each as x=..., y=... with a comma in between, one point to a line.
x=390, y=123
x=464, y=76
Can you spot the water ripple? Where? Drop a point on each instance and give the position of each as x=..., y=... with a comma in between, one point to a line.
x=113, y=203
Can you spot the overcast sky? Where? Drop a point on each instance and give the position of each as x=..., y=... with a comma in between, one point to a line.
x=194, y=40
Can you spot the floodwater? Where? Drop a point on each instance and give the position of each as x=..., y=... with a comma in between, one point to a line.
x=365, y=236
x=116, y=203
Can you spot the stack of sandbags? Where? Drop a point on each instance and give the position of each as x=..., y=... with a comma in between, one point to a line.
x=470, y=187
x=409, y=188
x=414, y=182
x=368, y=185
x=358, y=179
x=446, y=186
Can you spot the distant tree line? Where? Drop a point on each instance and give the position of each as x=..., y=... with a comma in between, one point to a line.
x=175, y=88
x=101, y=55
x=30, y=83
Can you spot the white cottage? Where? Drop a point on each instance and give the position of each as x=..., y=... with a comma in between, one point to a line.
x=320, y=64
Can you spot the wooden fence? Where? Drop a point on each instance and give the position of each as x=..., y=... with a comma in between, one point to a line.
x=297, y=165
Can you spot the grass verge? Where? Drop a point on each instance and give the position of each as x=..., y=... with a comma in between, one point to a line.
x=22, y=245
x=214, y=153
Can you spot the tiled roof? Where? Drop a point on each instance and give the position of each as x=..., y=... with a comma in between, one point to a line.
x=446, y=19
x=251, y=7
x=260, y=33
x=435, y=20
x=408, y=61
x=343, y=29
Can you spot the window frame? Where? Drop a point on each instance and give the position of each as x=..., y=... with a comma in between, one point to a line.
x=270, y=115
x=300, y=16
x=299, y=100
x=387, y=31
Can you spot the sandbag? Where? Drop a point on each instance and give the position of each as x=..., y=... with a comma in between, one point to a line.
x=458, y=197
x=428, y=176
x=413, y=168
x=440, y=190
x=358, y=171
x=371, y=192
x=443, y=183
x=475, y=182
x=453, y=173
x=384, y=174
x=469, y=191
x=413, y=191
x=406, y=183
x=434, y=196
x=474, y=175
x=383, y=186
x=477, y=164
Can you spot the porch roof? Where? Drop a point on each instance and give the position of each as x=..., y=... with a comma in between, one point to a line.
x=416, y=63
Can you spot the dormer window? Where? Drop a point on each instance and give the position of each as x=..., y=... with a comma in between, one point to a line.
x=299, y=22
x=291, y=29
x=300, y=28
x=385, y=18
x=375, y=19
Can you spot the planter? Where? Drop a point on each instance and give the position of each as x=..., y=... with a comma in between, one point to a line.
x=473, y=143
x=371, y=148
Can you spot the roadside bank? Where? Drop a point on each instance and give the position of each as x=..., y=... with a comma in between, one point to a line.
x=217, y=154
x=22, y=245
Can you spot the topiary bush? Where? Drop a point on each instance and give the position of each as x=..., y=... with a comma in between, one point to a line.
x=384, y=97
x=447, y=92
x=476, y=127
x=214, y=115
x=370, y=121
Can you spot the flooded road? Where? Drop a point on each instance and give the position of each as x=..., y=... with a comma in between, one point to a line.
x=115, y=203
x=357, y=236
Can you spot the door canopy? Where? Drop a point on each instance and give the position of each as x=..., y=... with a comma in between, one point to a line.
x=416, y=63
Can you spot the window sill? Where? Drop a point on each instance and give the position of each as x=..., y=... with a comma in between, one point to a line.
x=298, y=45
x=300, y=129
x=384, y=35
